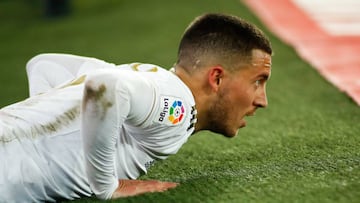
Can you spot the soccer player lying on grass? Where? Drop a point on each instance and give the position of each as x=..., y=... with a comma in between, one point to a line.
x=91, y=127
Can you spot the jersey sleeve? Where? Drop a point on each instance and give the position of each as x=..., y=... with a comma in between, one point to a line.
x=46, y=71
x=111, y=97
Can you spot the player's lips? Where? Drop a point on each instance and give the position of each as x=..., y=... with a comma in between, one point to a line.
x=251, y=113
x=243, y=122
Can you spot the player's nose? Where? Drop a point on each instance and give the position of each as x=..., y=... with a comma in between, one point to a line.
x=261, y=99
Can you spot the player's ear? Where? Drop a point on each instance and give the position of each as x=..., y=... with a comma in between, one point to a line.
x=215, y=76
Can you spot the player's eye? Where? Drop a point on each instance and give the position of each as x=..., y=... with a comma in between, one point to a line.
x=257, y=83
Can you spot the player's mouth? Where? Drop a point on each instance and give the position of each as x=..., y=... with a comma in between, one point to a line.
x=243, y=122
x=251, y=113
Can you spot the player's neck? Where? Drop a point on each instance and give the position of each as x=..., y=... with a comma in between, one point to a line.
x=196, y=84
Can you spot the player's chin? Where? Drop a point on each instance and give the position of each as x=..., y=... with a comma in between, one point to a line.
x=230, y=133
x=225, y=130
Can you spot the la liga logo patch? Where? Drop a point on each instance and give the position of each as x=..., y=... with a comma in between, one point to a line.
x=177, y=111
x=172, y=111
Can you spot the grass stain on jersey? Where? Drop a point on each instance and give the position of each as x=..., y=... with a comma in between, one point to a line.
x=101, y=103
x=20, y=131
x=62, y=120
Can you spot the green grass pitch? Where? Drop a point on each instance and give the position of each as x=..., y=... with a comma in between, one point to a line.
x=303, y=148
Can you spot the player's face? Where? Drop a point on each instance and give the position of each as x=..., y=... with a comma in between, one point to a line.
x=240, y=94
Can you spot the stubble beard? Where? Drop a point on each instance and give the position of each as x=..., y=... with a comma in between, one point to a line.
x=218, y=117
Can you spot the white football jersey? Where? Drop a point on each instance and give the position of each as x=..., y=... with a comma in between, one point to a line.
x=47, y=71
x=45, y=149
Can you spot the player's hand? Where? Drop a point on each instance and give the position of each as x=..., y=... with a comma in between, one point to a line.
x=128, y=188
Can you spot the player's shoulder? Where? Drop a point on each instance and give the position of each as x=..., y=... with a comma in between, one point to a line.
x=141, y=67
x=175, y=101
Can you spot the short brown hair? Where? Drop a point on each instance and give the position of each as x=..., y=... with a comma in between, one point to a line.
x=218, y=38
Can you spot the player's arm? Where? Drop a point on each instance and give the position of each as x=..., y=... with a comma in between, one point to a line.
x=46, y=71
x=112, y=97
x=128, y=188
